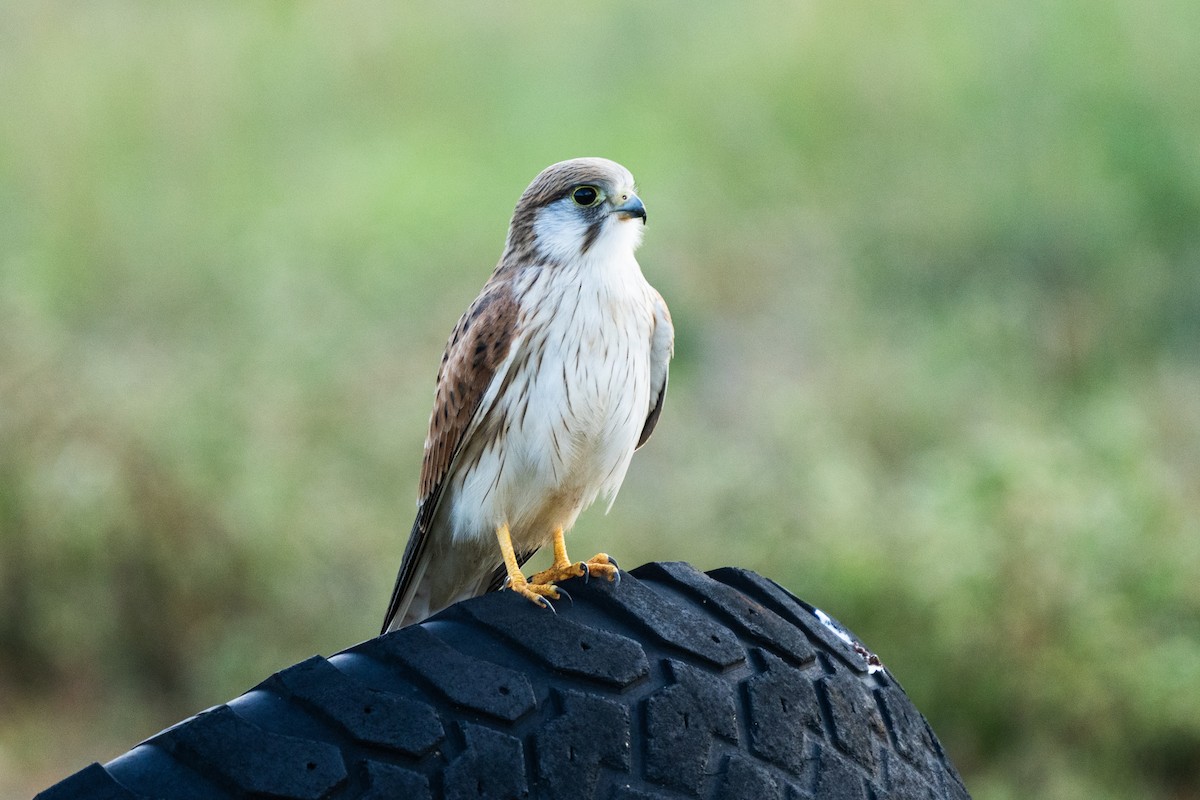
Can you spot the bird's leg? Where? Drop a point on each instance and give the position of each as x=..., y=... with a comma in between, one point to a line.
x=562, y=569
x=516, y=579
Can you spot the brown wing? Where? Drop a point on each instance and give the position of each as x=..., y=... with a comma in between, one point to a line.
x=478, y=346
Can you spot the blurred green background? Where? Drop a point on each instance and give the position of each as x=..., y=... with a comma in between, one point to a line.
x=935, y=270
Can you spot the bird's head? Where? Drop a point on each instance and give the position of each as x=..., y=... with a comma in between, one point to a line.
x=582, y=207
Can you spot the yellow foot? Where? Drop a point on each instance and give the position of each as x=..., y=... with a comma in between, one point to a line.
x=537, y=594
x=559, y=572
x=602, y=565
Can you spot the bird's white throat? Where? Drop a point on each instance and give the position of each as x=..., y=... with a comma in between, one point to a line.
x=561, y=233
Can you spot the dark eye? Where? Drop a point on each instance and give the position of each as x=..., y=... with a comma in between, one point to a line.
x=585, y=195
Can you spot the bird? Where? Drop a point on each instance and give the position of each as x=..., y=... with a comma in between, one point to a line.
x=550, y=380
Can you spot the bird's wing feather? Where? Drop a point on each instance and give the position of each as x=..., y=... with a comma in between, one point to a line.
x=473, y=367
x=662, y=347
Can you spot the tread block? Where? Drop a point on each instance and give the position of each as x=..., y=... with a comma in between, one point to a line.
x=369, y=715
x=782, y=704
x=836, y=779
x=952, y=785
x=855, y=718
x=909, y=733
x=674, y=623
x=589, y=732
x=150, y=771
x=560, y=643
x=470, y=682
x=745, y=780
x=93, y=782
x=788, y=606
x=389, y=782
x=254, y=760
x=681, y=721
x=903, y=781
x=491, y=766
x=755, y=619
x=629, y=793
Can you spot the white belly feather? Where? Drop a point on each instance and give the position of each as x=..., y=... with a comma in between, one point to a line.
x=569, y=437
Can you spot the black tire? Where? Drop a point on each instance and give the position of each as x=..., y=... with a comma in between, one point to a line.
x=672, y=683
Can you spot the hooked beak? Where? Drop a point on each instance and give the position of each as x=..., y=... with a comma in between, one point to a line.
x=628, y=205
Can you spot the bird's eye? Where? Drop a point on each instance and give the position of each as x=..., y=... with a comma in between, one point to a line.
x=585, y=196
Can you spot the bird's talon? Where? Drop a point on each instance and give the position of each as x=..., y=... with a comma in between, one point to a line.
x=603, y=565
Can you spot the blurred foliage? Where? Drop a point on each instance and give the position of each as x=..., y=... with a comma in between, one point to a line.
x=935, y=270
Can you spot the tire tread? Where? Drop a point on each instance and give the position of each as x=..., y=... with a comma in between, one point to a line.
x=673, y=683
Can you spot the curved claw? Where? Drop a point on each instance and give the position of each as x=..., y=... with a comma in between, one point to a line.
x=617, y=576
x=544, y=602
x=603, y=562
x=564, y=593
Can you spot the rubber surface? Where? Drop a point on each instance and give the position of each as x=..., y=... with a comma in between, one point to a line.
x=672, y=683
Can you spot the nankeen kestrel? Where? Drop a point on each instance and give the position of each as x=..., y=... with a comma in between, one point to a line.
x=550, y=381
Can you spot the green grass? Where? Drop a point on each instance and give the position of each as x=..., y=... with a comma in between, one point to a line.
x=935, y=271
